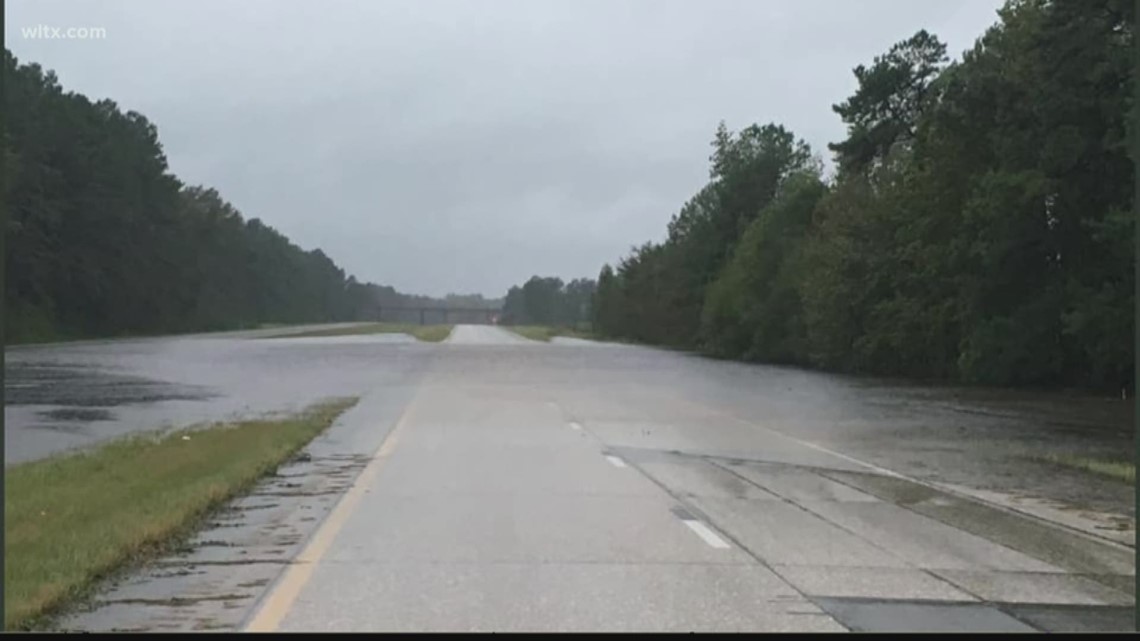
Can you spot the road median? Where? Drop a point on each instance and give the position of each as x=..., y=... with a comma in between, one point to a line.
x=428, y=333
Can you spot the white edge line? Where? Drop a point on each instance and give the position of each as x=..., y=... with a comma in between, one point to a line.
x=574, y=425
x=617, y=462
x=705, y=533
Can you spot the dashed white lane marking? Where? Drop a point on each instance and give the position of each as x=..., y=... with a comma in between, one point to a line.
x=705, y=533
x=575, y=426
x=615, y=461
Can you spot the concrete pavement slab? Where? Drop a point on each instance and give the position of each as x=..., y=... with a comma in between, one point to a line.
x=922, y=541
x=494, y=528
x=797, y=484
x=779, y=532
x=693, y=477
x=558, y=597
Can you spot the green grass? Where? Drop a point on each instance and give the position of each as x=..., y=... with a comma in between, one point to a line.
x=545, y=332
x=72, y=520
x=27, y=324
x=431, y=333
x=1119, y=470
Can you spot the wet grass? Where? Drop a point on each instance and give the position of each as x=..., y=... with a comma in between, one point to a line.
x=545, y=332
x=430, y=333
x=70, y=521
x=1119, y=470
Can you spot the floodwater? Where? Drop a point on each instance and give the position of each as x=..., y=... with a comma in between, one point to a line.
x=990, y=442
x=66, y=396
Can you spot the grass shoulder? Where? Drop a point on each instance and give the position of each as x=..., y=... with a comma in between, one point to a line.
x=1123, y=471
x=70, y=521
x=546, y=332
x=56, y=337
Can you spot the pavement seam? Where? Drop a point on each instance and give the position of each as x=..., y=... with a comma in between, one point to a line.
x=1097, y=538
x=891, y=473
x=840, y=527
x=692, y=509
x=1016, y=513
x=930, y=572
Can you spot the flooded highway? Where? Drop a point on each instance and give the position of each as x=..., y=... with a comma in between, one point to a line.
x=65, y=396
x=577, y=454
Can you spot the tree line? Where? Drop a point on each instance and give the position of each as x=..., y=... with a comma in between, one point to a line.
x=102, y=240
x=549, y=301
x=978, y=226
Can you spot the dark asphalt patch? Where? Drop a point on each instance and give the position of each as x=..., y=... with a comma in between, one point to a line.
x=1068, y=618
x=877, y=615
x=1040, y=540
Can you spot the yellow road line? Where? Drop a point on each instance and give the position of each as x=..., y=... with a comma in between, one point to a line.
x=278, y=602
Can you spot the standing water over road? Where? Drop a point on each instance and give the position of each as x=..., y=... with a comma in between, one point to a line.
x=65, y=396
x=721, y=436
x=75, y=395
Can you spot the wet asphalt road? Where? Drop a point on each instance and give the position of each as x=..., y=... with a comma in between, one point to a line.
x=491, y=483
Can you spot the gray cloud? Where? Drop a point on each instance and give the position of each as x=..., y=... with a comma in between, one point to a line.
x=464, y=145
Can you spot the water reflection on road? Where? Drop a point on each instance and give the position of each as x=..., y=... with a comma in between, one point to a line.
x=59, y=397
x=74, y=395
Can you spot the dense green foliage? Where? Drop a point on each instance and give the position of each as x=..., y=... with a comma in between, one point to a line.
x=979, y=226
x=548, y=301
x=102, y=240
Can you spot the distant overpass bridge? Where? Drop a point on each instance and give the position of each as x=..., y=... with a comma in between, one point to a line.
x=436, y=315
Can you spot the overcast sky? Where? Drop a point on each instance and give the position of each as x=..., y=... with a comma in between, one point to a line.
x=465, y=145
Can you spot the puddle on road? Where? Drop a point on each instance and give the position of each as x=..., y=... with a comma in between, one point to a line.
x=216, y=578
